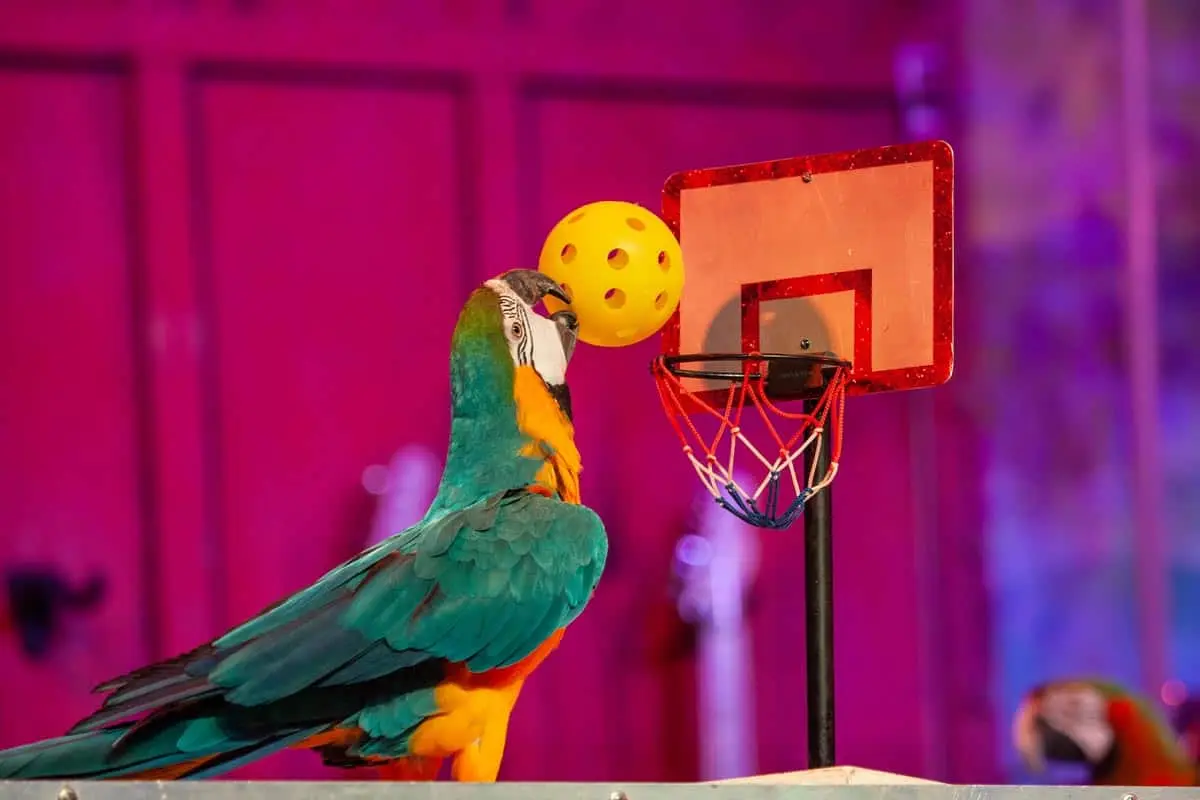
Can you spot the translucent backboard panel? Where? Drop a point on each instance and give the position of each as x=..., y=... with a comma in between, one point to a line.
x=850, y=253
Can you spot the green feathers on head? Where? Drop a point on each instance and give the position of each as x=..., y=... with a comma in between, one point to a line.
x=481, y=369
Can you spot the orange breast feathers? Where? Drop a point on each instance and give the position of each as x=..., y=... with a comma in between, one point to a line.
x=471, y=726
x=552, y=435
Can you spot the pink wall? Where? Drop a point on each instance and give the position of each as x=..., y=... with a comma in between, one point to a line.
x=234, y=243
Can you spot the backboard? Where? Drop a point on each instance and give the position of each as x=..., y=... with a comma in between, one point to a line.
x=849, y=253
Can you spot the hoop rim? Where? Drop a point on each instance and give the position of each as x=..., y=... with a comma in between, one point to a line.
x=820, y=379
x=672, y=363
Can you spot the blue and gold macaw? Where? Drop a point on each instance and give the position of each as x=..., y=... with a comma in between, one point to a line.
x=415, y=650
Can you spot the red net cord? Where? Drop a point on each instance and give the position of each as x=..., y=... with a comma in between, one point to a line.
x=820, y=427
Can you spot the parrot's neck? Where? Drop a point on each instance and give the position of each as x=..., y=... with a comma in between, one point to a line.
x=486, y=442
x=1146, y=753
x=550, y=436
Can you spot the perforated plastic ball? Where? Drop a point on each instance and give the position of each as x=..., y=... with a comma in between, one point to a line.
x=620, y=265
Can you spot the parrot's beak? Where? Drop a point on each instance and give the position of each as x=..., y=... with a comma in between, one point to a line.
x=1027, y=737
x=568, y=333
x=1069, y=740
x=531, y=286
x=568, y=330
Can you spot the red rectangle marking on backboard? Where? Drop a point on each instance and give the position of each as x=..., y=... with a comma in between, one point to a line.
x=857, y=281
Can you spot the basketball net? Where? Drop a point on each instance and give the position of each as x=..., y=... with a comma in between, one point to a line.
x=782, y=484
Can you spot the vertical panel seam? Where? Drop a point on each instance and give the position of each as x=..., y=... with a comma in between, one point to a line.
x=200, y=210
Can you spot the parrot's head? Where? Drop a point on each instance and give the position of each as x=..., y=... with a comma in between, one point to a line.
x=1117, y=736
x=512, y=416
x=1064, y=721
x=543, y=344
x=499, y=333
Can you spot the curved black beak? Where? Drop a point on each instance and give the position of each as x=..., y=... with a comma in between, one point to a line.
x=531, y=285
x=1057, y=746
x=568, y=330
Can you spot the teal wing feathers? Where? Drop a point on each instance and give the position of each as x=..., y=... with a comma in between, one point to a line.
x=489, y=594
x=484, y=586
x=363, y=647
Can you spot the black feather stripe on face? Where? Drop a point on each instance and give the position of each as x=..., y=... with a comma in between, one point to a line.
x=511, y=308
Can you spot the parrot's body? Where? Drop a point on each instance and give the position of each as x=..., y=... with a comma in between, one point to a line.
x=1120, y=738
x=416, y=650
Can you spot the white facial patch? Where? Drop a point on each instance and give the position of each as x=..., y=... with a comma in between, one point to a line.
x=1081, y=714
x=533, y=340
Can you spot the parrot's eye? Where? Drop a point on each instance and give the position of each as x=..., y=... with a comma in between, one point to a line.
x=515, y=329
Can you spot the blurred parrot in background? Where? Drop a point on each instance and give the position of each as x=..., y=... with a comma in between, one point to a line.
x=415, y=650
x=1187, y=722
x=1120, y=737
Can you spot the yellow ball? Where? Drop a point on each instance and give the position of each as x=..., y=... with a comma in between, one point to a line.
x=620, y=265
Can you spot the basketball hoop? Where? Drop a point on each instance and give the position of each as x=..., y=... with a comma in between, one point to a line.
x=783, y=486
x=792, y=265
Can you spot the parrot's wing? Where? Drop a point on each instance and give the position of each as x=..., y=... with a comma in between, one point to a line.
x=484, y=586
x=488, y=590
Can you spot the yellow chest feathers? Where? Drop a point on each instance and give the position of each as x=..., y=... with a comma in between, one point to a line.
x=552, y=435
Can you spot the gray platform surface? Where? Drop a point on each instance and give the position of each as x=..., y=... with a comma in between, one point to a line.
x=380, y=790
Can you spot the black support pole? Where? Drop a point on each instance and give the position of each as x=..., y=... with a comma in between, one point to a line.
x=818, y=612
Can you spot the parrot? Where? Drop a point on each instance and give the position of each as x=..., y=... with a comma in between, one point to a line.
x=1117, y=735
x=413, y=652
x=1187, y=722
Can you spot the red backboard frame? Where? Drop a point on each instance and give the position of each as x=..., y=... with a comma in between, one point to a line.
x=863, y=378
